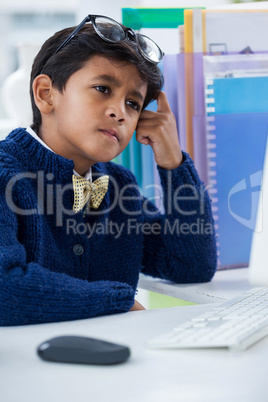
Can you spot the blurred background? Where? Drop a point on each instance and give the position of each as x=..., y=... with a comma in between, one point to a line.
x=31, y=22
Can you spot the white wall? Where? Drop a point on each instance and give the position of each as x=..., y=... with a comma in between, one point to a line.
x=108, y=7
x=111, y=8
x=33, y=5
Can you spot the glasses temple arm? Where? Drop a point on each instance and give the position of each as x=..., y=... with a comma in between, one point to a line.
x=70, y=37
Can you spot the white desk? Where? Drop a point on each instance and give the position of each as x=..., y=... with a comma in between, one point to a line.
x=148, y=376
x=225, y=285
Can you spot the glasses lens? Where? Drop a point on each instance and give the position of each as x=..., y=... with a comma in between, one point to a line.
x=149, y=48
x=109, y=29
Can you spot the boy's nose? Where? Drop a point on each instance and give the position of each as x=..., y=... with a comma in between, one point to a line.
x=117, y=112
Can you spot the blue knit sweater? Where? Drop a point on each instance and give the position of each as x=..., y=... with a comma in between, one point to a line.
x=56, y=265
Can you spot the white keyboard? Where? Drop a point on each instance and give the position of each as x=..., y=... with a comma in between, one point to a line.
x=235, y=324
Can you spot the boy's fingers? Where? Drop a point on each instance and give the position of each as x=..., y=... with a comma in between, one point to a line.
x=147, y=114
x=142, y=139
x=162, y=103
x=162, y=106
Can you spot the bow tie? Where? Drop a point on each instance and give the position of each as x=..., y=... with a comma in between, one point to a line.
x=84, y=191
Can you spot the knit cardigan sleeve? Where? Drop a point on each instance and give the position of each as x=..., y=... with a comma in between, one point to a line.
x=181, y=245
x=30, y=293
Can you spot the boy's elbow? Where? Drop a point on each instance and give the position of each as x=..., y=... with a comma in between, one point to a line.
x=206, y=261
x=202, y=273
x=207, y=266
x=197, y=270
x=208, y=273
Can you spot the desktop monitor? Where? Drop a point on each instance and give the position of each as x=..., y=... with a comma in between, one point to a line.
x=258, y=262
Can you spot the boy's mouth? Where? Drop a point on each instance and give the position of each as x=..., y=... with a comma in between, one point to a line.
x=111, y=133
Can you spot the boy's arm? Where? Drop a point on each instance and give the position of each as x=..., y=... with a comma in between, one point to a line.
x=30, y=293
x=184, y=250
x=181, y=245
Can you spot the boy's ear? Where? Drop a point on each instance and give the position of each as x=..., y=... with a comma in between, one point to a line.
x=42, y=91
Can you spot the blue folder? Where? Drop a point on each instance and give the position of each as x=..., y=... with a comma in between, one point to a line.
x=135, y=159
x=241, y=95
x=237, y=134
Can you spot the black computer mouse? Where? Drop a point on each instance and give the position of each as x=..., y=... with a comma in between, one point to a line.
x=79, y=349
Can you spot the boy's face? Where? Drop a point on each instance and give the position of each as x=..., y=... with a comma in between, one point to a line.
x=95, y=116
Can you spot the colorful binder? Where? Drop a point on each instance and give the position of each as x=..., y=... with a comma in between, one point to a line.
x=194, y=101
x=138, y=18
x=214, y=32
x=170, y=69
x=181, y=100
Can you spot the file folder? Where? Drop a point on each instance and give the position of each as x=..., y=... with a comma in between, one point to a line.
x=237, y=127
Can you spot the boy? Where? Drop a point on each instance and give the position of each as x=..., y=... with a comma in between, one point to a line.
x=75, y=231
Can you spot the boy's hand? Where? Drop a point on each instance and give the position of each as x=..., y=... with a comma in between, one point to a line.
x=158, y=129
x=137, y=306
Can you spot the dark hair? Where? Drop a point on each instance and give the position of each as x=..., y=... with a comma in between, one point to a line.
x=86, y=43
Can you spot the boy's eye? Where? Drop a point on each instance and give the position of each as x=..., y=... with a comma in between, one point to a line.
x=134, y=105
x=102, y=88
